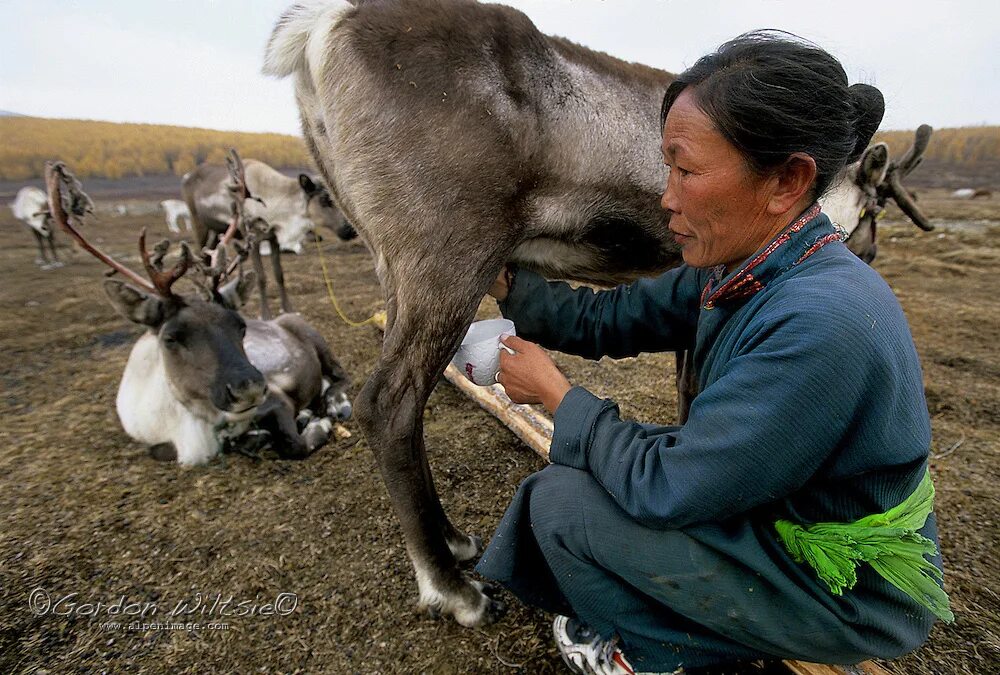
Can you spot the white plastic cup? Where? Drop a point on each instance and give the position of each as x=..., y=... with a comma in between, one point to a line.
x=479, y=354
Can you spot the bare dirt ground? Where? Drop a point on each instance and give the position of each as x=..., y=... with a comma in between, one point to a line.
x=88, y=517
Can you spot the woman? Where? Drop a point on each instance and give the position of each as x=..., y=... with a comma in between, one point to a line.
x=660, y=547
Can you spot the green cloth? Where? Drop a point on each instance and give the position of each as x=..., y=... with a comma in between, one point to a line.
x=888, y=541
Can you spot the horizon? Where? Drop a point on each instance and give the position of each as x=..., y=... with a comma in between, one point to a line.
x=7, y=113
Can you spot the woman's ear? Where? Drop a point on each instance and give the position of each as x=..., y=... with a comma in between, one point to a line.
x=793, y=182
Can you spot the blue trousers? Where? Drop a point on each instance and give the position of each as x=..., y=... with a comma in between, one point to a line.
x=703, y=595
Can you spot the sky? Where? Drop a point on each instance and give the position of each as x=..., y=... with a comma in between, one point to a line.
x=197, y=62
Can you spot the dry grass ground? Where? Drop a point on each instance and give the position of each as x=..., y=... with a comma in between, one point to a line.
x=84, y=511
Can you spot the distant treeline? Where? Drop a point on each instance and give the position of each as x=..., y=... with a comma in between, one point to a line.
x=111, y=150
x=961, y=146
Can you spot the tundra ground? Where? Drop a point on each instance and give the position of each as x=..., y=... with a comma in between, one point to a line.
x=85, y=511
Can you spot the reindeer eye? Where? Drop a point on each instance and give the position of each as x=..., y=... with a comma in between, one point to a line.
x=171, y=340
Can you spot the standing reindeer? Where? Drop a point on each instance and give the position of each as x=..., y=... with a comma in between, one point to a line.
x=284, y=211
x=201, y=374
x=176, y=212
x=456, y=137
x=31, y=207
x=857, y=200
x=294, y=206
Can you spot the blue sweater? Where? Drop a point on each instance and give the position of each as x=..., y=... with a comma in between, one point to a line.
x=811, y=403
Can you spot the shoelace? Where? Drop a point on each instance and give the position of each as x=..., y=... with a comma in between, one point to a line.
x=600, y=655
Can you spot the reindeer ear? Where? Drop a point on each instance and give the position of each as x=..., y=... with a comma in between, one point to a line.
x=874, y=164
x=135, y=305
x=307, y=184
x=236, y=292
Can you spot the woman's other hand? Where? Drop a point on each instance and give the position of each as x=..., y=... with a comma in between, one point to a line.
x=529, y=375
x=501, y=286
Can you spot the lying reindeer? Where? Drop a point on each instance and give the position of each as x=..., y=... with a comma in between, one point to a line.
x=201, y=375
x=456, y=137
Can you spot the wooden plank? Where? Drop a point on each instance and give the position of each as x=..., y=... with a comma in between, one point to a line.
x=532, y=427
x=535, y=430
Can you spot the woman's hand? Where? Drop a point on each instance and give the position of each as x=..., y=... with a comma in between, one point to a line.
x=501, y=286
x=530, y=376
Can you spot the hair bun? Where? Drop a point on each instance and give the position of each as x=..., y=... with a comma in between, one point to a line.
x=869, y=106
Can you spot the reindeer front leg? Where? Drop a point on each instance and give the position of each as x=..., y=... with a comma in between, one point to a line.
x=277, y=416
x=51, y=239
x=258, y=268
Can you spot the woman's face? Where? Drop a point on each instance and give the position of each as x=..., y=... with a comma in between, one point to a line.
x=718, y=205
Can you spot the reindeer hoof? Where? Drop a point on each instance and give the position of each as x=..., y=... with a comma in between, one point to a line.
x=317, y=433
x=466, y=603
x=493, y=611
x=303, y=419
x=490, y=611
x=467, y=547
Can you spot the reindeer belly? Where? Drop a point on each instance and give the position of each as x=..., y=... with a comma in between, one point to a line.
x=283, y=361
x=569, y=238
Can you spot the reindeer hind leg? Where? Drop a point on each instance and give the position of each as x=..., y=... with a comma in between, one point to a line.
x=430, y=315
x=42, y=259
x=51, y=240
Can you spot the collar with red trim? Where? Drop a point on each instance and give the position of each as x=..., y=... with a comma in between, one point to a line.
x=809, y=232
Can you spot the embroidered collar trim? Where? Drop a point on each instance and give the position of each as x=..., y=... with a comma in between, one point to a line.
x=743, y=283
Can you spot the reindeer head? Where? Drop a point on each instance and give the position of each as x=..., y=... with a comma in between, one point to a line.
x=321, y=210
x=857, y=201
x=200, y=342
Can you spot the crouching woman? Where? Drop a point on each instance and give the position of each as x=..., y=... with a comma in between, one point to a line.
x=790, y=515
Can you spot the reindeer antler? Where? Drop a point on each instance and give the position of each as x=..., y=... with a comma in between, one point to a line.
x=56, y=176
x=162, y=281
x=893, y=185
x=912, y=158
x=214, y=267
x=66, y=196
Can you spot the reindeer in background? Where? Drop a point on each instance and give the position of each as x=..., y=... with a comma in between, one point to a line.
x=201, y=376
x=284, y=212
x=857, y=201
x=31, y=207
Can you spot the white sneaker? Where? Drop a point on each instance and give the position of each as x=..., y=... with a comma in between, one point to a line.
x=585, y=652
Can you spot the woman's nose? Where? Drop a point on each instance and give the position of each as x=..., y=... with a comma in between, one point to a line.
x=668, y=201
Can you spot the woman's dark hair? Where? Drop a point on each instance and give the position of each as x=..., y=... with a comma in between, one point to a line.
x=772, y=94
